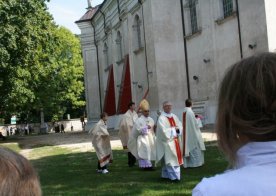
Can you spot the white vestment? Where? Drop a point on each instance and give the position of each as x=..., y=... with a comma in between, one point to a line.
x=165, y=140
x=101, y=143
x=194, y=144
x=126, y=125
x=142, y=140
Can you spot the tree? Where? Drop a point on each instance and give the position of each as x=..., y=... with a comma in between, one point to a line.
x=40, y=63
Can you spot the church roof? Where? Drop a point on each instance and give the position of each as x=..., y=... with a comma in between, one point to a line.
x=89, y=14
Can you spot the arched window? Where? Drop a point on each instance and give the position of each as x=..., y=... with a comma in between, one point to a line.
x=119, y=46
x=105, y=51
x=137, y=32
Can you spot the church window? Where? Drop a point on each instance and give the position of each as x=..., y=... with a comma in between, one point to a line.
x=193, y=15
x=227, y=7
x=137, y=32
x=105, y=51
x=119, y=46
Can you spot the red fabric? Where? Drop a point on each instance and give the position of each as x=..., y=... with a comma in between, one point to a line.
x=177, y=146
x=178, y=151
x=109, y=100
x=184, y=131
x=125, y=96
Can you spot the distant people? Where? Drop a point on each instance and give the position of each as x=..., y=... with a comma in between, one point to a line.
x=7, y=131
x=142, y=139
x=101, y=143
x=246, y=130
x=194, y=147
x=169, y=143
x=17, y=175
x=2, y=136
x=125, y=127
x=62, y=128
x=56, y=125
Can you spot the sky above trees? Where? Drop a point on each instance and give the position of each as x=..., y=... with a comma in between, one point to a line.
x=66, y=12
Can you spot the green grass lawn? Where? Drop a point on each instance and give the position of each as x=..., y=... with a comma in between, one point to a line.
x=63, y=172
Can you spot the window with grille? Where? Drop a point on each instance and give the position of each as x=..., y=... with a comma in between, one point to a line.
x=193, y=15
x=227, y=7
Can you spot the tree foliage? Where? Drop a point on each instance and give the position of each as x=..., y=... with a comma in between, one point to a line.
x=40, y=63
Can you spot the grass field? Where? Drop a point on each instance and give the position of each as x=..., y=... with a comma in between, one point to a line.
x=63, y=172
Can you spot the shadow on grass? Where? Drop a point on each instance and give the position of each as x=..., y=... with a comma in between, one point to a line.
x=69, y=173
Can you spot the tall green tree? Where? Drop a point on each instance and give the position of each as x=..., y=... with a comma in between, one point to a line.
x=40, y=63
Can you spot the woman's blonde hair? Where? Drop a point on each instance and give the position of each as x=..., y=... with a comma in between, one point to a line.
x=247, y=104
x=17, y=175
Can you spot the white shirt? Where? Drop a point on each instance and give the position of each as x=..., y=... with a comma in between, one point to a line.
x=254, y=175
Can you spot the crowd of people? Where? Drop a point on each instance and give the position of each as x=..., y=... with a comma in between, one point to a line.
x=167, y=141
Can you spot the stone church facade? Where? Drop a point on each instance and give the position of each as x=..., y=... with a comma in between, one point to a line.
x=168, y=50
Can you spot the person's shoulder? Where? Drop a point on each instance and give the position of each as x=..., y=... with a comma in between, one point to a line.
x=243, y=181
x=213, y=186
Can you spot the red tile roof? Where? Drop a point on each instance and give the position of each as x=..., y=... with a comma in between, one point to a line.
x=88, y=15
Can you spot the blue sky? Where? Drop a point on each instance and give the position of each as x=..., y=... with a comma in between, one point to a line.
x=66, y=12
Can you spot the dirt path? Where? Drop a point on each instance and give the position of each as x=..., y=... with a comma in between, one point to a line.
x=78, y=141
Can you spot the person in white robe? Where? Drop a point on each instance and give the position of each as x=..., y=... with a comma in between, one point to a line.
x=125, y=127
x=101, y=144
x=193, y=142
x=142, y=140
x=169, y=143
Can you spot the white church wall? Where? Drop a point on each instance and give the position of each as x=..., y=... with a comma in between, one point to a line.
x=270, y=6
x=169, y=51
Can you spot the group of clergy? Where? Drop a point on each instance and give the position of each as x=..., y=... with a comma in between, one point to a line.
x=166, y=141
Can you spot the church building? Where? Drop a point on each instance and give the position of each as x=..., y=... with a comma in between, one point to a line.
x=168, y=50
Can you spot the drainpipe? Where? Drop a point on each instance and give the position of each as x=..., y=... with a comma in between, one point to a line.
x=185, y=50
x=239, y=28
x=98, y=66
x=147, y=69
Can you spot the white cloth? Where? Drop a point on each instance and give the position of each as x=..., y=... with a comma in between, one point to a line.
x=254, y=174
x=194, y=144
x=142, y=140
x=126, y=125
x=165, y=144
x=101, y=143
x=172, y=173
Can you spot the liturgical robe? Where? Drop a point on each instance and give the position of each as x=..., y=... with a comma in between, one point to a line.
x=101, y=143
x=194, y=145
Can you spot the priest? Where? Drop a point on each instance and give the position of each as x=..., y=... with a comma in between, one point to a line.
x=142, y=139
x=125, y=127
x=194, y=147
x=169, y=143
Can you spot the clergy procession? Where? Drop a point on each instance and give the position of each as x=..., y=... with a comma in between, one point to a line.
x=170, y=142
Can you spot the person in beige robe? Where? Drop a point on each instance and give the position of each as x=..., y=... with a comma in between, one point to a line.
x=142, y=139
x=101, y=144
x=169, y=143
x=125, y=127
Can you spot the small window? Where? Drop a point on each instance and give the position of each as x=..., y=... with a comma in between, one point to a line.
x=137, y=32
x=193, y=15
x=227, y=7
x=119, y=46
x=105, y=51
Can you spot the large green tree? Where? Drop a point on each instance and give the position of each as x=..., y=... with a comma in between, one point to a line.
x=40, y=63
